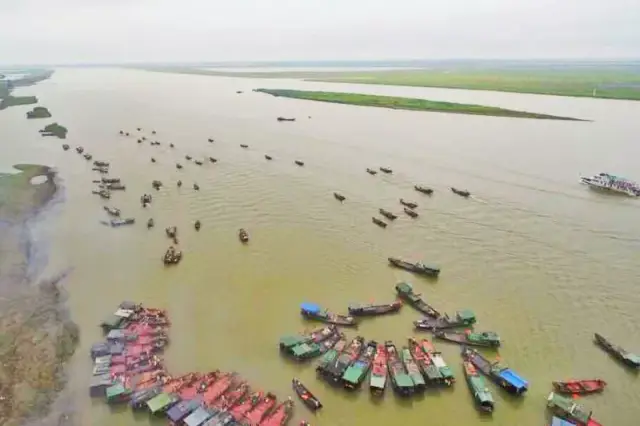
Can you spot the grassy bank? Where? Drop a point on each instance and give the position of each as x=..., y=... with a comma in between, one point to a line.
x=10, y=101
x=406, y=104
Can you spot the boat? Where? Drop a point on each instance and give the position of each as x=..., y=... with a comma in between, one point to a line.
x=279, y=416
x=388, y=214
x=386, y=170
x=171, y=231
x=156, y=184
x=412, y=369
x=198, y=162
x=372, y=172
x=198, y=417
x=121, y=222
x=417, y=267
x=242, y=145
x=379, y=222
x=112, y=211
x=245, y=405
x=339, y=197
x=430, y=372
x=379, y=372
x=323, y=333
x=464, y=318
x=99, y=163
x=410, y=212
x=213, y=160
x=336, y=368
x=172, y=256
x=569, y=409
x=481, y=394
x=405, y=292
x=243, y=235
x=102, y=170
x=579, y=387
x=210, y=140
x=331, y=355
x=65, y=147
x=197, y=225
x=305, y=395
x=102, y=193
x=400, y=380
x=257, y=413
x=187, y=157
x=285, y=119
x=314, y=312
x=486, y=338
x=116, y=187
x=231, y=398
x=331, y=342
x=423, y=189
x=436, y=358
x=196, y=187
x=150, y=223
x=355, y=374
x=504, y=377
x=178, y=166
x=299, y=163
x=218, y=388
x=626, y=357
x=461, y=192
x=373, y=310
x=110, y=180
x=557, y=421
x=614, y=184
x=79, y=150
x=288, y=342
x=139, y=398
x=182, y=410
x=304, y=351
x=268, y=157
x=117, y=393
x=160, y=403
x=409, y=204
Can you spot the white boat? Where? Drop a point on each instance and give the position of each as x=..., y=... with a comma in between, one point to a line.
x=611, y=183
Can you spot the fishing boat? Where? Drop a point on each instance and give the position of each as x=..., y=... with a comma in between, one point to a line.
x=412, y=369
x=99, y=163
x=388, y=214
x=110, y=180
x=243, y=235
x=386, y=170
x=116, y=187
x=288, y=342
x=198, y=417
x=409, y=204
x=196, y=187
x=213, y=160
x=405, y=292
x=65, y=147
x=305, y=395
x=112, y=211
x=436, y=358
x=245, y=405
x=257, y=413
x=430, y=372
x=231, y=398
x=331, y=356
x=197, y=225
x=171, y=231
x=299, y=163
x=79, y=150
x=355, y=374
x=400, y=380
x=102, y=193
x=569, y=409
x=486, y=338
x=464, y=318
x=371, y=171
x=210, y=140
x=315, y=312
x=117, y=394
x=504, y=377
x=279, y=416
x=613, y=184
x=379, y=222
x=139, y=398
x=339, y=196
x=183, y=409
x=121, y=222
x=626, y=357
x=218, y=388
x=410, y=212
x=268, y=157
x=481, y=394
x=160, y=403
x=417, y=267
x=373, y=310
x=304, y=351
x=579, y=387
x=88, y=157
x=198, y=162
x=172, y=256
x=379, y=372
x=178, y=166
x=285, y=119
x=150, y=223
x=331, y=342
x=335, y=369
x=423, y=189
x=461, y=192
x=557, y=421
x=323, y=333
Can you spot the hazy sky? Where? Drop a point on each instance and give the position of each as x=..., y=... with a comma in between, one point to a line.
x=61, y=31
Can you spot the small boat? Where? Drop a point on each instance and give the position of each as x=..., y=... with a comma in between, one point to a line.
x=210, y=140
x=139, y=128
x=121, y=132
x=379, y=372
x=307, y=398
x=99, y=163
x=436, y=359
x=299, y=163
x=334, y=370
x=88, y=157
x=199, y=417
x=417, y=267
x=481, y=394
x=373, y=310
x=172, y=256
x=464, y=318
x=178, y=166
x=405, y=292
x=245, y=405
x=569, y=409
x=196, y=187
x=268, y=157
x=153, y=132
x=100, y=170
x=112, y=211
x=409, y=204
x=485, y=338
x=379, y=222
x=79, y=150
x=339, y=196
x=410, y=212
x=388, y=214
x=153, y=160
x=314, y=312
x=355, y=374
x=121, y=222
x=156, y=184
x=239, y=92
x=430, y=372
x=171, y=145
x=187, y=157
x=183, y=409
x=117, y=393
x=557, y=421
x=423, y=189
x=65, y=147
x=304, y=351
x=331, y=342
x=197, y=225
x=626, y=357
x=150, y=224
x=323, y=333
x=139, y=398
x=413, y=370
x=231, y=398
x=171, y=231
x=212, y=160
x=279, y=416
x=242, y=145
x=579, y=387
x=331, y=354
x=372, y=172
x=400, y=380
x=460, y=192
x=179, y=183
x=140, y=141
x=285, y=119
x=243, y=235
x=259, y=412
x=110, y=180
x=504, y=377
x=116, y=187
x=219, y=387
x=386, y=170
x=127, y=134
x=160, y=403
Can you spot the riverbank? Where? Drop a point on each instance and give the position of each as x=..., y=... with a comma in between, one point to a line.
x=10, y=101
x=37, y=336
x=411, y=104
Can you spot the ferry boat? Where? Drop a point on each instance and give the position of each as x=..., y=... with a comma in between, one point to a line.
x=611, y=183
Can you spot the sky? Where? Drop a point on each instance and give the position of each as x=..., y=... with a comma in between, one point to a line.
x=114, y=31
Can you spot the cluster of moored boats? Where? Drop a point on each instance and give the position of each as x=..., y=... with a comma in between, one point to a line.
x=127, y=369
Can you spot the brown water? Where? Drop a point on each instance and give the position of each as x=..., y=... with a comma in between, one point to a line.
x=539, y=258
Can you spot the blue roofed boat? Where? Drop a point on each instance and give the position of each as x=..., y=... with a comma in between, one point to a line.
x=315, y=312
x=499, y=374
x=557, y=421
x=182, y=409
x=516, y=383
x=198, y=417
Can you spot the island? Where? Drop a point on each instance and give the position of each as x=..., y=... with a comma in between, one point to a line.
x=54, y=129
x=10, y=101
x=39, y=112
x=412, y=104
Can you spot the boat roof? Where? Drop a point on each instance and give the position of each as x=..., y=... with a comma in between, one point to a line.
x=557, y=421
x=112, y=322
x=404, y=287
x=514, y=379
x=485, y=335
x=304, y=348
x=378, y=381
x=404, y=381
x=353, y=373
x=124, y=313
x=466, y=315
x=159, y=401
x=310, y=307
x=115, y=390
x=632, y=357
x=570, y=407
x=116, y=334
x=198, y=417
x=183, y=408
x=289, y=341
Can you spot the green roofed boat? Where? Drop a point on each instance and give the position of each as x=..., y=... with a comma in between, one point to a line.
x=400, y=380
x=289, y=342
x=430, y=372
x=379, y=372
x=405, y=292
x=355, y=374
x=481, y=394
x=436, y=358
x=412, y=369
x=464, y=318
x=305, y=351
x=112, y=322
x=626, y=357
x=570, y=410
x=117, y=394
x=504, y=377
x=485, y=338
x=331, y=355
x=161, y=403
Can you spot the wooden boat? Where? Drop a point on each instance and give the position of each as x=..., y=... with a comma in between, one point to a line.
x=139, y=398
x=504, y=377
x=400, y=380
x=88, y=157
x=171, y=231
x=102, y=193
x=140, y=141
x=299, y=163
x=481, y=394
x=355, y=374
x=579, y=387
x=212, y=160
x=485, y=338
x=196, y=187
x=182, y=409
x=430, y=372
x=339, y=197
x=372, y=172
x=314, y=312
x=101, y=170
x=197, y=225
x=285, y=119
x=372, y=310
x=379, y=372
x=79, y=150
x=178, y=166
x=99, y=163
x=242, y=145
x=405, y=292
x=305, y=395
x=257, y=413
x=268, y=157
x=65, y=147
x=388, y=214
x=210, y=140
x=336, y=368
x=410, y=212
x=435, y=356
x=423, y=189
x=569, y=409
x=243, y=235
x=331, y=342
x=409, y=204
x=417, y=267
x=379, y=222
x=172, y=256
x=231, y=398
x=110, y=180
x=116, y=187
x=218, y=388
x=464, y=318
x=331, y=355
x=557, y=421
x=626, y=357
x=460, y=192
x=322, y=334
x=413, y=370
x=386, y=170
x=112, y=211
x=150, y=224
x=153, y=160
x=280, y=415
x=121, y=222
x=246, y=405
x=156, y=184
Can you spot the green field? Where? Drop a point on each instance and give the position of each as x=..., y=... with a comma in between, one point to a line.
x=406, y=103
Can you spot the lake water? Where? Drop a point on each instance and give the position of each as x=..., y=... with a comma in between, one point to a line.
x=539, y=258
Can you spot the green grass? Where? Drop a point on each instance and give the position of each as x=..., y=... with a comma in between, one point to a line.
x=406, y=103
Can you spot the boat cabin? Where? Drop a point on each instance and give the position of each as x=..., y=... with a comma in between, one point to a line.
x=161, y=403
x=310, y=308
x=466, y=316
x=288, y=342
x=117, y=393
x=513, y=382
x=305, y=350
x=182, y=409
x=198, y=417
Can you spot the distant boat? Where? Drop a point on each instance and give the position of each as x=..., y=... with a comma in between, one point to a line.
x=386, y=170
x=286, y=119
x=423, y=189
x=299, y=163
x=339, y=196
x=460, y=192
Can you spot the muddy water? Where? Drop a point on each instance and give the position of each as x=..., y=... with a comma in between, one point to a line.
x=539, y=258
